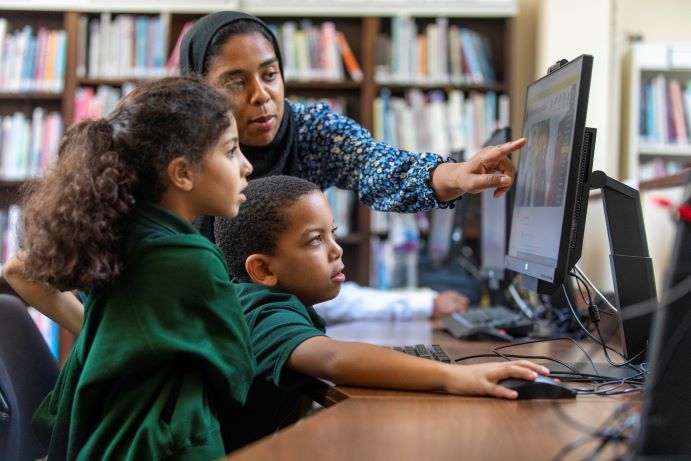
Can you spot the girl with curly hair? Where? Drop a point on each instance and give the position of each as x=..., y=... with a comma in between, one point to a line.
x=163, y=360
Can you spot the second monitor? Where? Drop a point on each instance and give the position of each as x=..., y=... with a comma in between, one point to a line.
x=494, y=229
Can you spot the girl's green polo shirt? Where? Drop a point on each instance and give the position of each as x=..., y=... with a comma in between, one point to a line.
x=163, y=362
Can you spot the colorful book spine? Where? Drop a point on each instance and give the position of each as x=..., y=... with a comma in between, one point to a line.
x=174, y=59
x=349, y=60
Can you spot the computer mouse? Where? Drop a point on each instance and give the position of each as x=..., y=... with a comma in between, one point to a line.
x=542, y=388
x=486, y=334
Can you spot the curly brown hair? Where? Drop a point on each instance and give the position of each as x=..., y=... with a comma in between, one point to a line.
x=74, y=216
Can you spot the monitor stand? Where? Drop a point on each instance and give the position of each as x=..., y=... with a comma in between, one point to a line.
x=632, y=272
x=630, y=262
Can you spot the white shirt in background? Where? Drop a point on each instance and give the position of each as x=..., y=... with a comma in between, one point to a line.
x=355, y=302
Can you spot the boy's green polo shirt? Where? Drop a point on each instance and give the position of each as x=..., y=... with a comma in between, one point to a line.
x=278, y=323
x=163, y=362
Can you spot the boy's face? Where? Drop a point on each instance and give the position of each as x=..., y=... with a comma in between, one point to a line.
x=307, y=261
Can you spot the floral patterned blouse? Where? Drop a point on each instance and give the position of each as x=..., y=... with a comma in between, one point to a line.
x=333, y=150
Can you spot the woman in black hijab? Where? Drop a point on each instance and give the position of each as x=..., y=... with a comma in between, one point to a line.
x=238, y=54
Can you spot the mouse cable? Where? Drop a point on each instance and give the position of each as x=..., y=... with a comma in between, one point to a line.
x=518, y=300
x=608, y=431
x=594, y=380
x=587, y=281
x=634, y=384
x=593, y=313
x=508, y=358
x=591, y=377
x=588, y=300
x=580, y=324
x=580, y=280
x=558, y=338
x=624, y=363
x=623, y=434
x=622, y=409
x=588, y=377
x=600, y=341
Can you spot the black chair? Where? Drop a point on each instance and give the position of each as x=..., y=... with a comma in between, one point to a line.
x=28, y=372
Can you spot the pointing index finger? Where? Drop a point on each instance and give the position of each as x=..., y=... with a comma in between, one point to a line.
x=511, y=146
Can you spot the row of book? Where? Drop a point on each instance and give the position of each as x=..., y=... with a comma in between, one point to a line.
x=665, y=112
x=32, y=62
x=96, y=102
x=450, y=123
x=394, y=257
x=90, y=102
x=49, y=330
x=29, y=145
x=660, y=167
x=124, y=46
x=312, y=52
x=10, y=237
x=135, y=46
x=337, y=104
x=440, y=54
x=128, y=46
x=342, y=201
x=342, y=206
x=10, y=231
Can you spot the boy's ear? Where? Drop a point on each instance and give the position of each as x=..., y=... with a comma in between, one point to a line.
x=257, y=267
x=181, y=173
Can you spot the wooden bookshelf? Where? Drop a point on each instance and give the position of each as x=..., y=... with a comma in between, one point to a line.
x=650, y=153
x=361, y=22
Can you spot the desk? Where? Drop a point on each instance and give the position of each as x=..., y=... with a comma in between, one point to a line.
x=371, y=424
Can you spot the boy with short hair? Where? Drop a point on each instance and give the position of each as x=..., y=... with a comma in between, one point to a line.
x=282, y=251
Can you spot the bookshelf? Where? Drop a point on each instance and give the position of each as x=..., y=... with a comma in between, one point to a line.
x=659, y=115
x=362, y=22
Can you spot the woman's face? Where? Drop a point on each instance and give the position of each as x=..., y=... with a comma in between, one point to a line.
x=247, y=72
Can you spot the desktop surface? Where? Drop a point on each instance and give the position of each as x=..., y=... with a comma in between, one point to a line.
x=377, y=424
x=392, y=334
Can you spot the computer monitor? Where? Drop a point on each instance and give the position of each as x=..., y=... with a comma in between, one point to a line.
x=494, y=225
x=666, y=413
x=552, y=182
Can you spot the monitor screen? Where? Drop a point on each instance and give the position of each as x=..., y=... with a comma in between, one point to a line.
x=494, y=222
x=547, y=184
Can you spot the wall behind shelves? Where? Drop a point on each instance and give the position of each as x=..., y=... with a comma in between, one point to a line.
x=663, y=21
x=545, y=30
x=667, y=22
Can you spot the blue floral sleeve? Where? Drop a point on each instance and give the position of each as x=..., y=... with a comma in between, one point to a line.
x=336, y=151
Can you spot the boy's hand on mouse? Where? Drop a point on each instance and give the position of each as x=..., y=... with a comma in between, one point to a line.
x=483, y=378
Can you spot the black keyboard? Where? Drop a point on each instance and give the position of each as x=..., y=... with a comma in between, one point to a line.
x=433, y=352
x=488, y=319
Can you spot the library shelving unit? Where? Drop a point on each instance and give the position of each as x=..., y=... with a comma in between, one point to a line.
x=360, y=21
x=658, y=122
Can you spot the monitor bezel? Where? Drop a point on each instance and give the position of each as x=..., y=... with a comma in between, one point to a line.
x=560, y=270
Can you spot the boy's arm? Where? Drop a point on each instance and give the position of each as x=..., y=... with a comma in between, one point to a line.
x=62, y=307
x=360, y=364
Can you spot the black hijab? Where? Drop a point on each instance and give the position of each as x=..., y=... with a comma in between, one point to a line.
x=280, y=155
